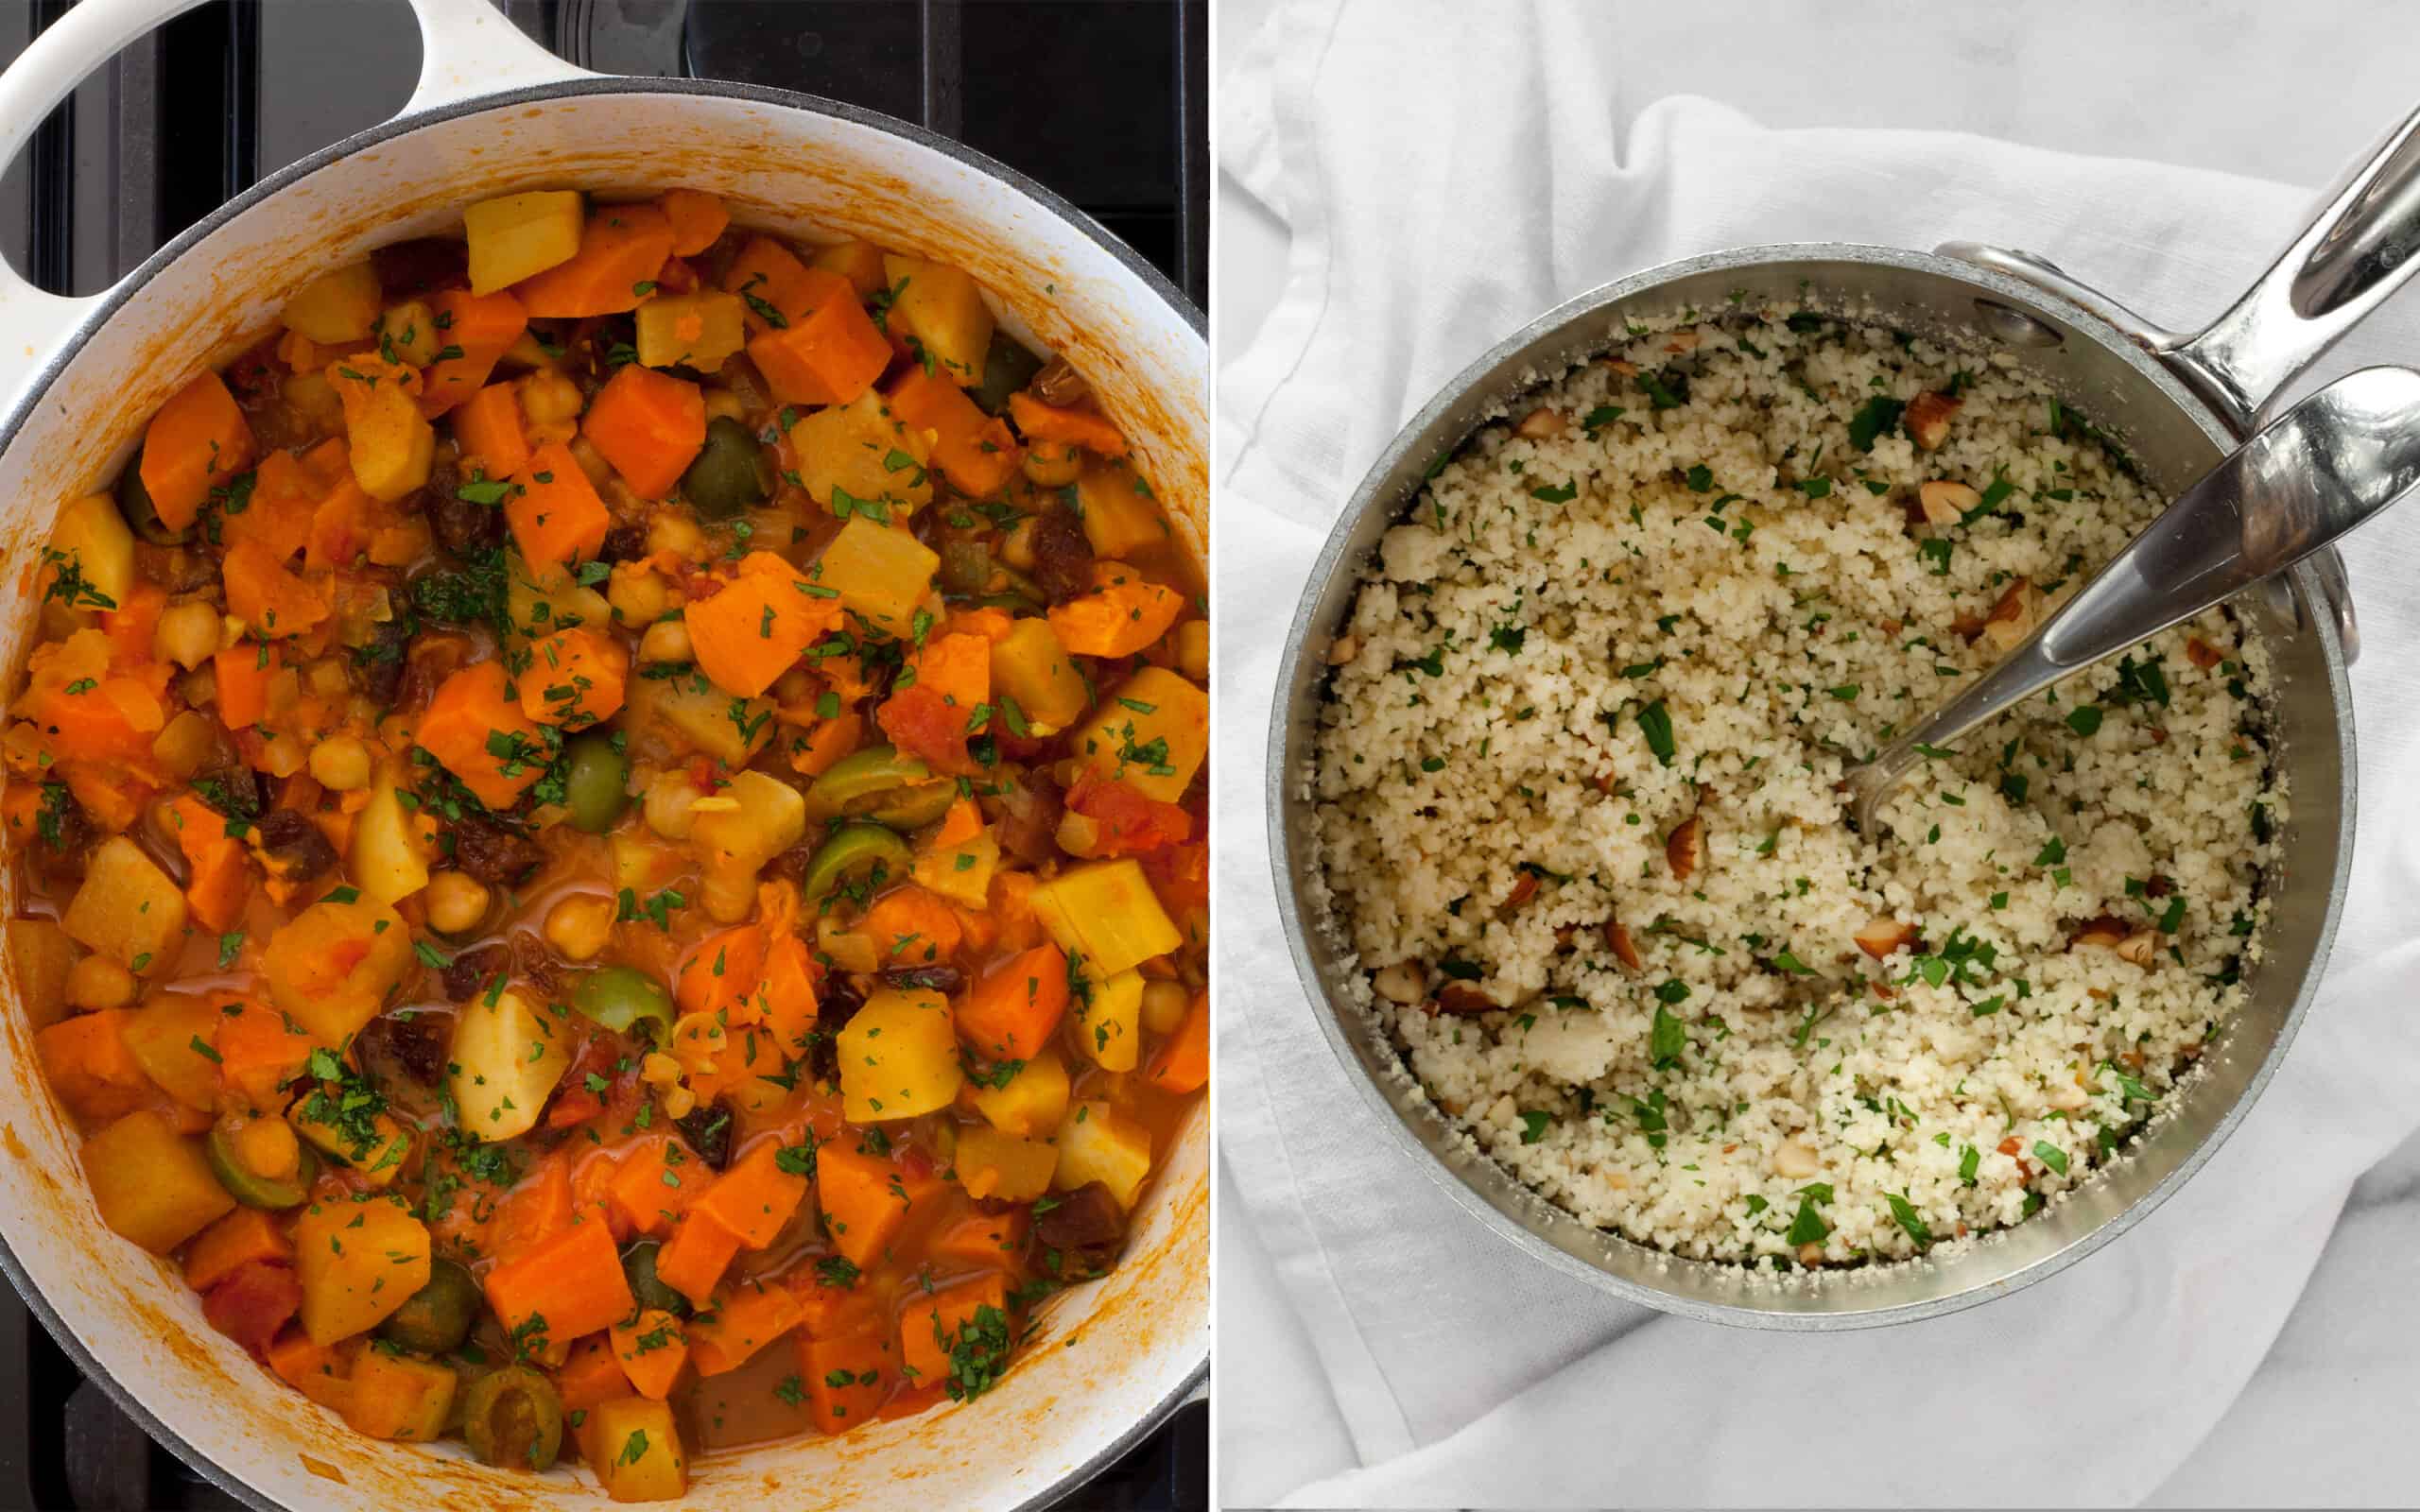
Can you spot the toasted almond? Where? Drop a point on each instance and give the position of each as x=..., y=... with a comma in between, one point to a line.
x=1618, y=940
x=1945, y=502
x=2013, y=617
x=2140, y=948
x=1621, y=368
x=1681, y=341
x=1810, y=1254
x=1684, y=847
x=1891, y=626
x=1539, y=424
x=2132, y=1059
x=1928, y=419
x=1795, y=1158
x=2009, y=1145
x=2201, y=653
x=1882, y=935
x=1342, y=649
x=1405, y=982
x=2102, y=934
x=1968, y=625
x=1461, y=997
x=1522, y=891
x=1883, y=990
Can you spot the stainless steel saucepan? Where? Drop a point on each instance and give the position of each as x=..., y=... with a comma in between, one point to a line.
x=495, y=114
x=2180, y=403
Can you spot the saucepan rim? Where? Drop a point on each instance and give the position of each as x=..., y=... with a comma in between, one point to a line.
x=1480, y=1186
x=53, y=363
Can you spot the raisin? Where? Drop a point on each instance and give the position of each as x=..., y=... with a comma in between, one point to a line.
x=296, y=847
x=492, y=853
x=1062, y=556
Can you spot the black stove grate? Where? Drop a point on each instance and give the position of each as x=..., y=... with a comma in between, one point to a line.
x=1105, y=102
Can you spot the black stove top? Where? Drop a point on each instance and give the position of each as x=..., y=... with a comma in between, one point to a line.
x=1105, y=102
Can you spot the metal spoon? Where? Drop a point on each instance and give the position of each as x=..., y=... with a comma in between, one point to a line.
x=2317, y=471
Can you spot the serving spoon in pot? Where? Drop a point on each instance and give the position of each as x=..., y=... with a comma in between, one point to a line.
x=2315, y=473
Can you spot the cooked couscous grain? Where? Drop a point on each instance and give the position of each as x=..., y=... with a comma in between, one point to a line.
x=1581, y=786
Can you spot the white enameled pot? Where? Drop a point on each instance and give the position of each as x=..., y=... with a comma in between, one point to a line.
x=495, y=114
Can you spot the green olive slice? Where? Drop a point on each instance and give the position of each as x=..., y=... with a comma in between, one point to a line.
x=647, y=1287
x=853, y=850
x=595, y=782
x=512, y=1417
x=732, y=471
x=620, y=997
x=438, y=1317
x=249, y=1186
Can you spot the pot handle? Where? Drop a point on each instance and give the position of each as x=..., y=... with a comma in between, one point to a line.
x=469, y=48
x=33, y=323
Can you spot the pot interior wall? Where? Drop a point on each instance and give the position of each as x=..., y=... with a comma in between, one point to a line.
x=2173, y=441
x=1108, y=1354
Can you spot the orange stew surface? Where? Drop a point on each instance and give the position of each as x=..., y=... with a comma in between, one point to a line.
x=613, y=818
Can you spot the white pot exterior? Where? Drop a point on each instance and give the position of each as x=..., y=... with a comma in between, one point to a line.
x=1109, y=1356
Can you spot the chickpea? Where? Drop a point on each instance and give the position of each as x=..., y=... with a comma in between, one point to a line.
x=187, y=633
x=549, y=399
x=678, y=1101
x=1052, y=464
x=638, y=594
x=579, y=926
x=1164, y=1007
x=721, y=404
x=98, y=982
x=341, y=764
x=675, y=532
x=1016, y=547
x=669, y=800
x=1193, y=650
x=456, y=903
x=666, y=641
x=591, y=461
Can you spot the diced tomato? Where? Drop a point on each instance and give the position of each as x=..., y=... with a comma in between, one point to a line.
x=1130, y=823
x=253, y=1303
x=923, y=723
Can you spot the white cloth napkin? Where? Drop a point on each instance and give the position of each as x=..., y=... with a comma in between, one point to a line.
x=1446, y=172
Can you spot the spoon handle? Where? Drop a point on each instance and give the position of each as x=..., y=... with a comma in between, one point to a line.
x=2317, y=471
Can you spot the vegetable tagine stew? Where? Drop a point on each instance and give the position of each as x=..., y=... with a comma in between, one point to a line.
x=611, y=832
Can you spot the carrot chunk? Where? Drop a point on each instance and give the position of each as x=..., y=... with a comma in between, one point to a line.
x=977, y=452
x=846, y=1379
x=575, y=678
x=774, y=283
x=656, y=1182
x=590, y=1374
x=651, y=1349
x=242, y=673
x=574, y=1282
x=555, y=513
x=930, y=1326
x=744, y=1320
x=749, y=634
x=262, y=593
x=476, y=731
x=1122, y=615
x=1039, y=422
x=697, y=219
x=489, y=429
x=621, y=249
x=90, y=1066
x=827, y=354
x=220, y=879
x=197, y=443
x=1181, y=1064
x=693, y=1262
x=865, y=1199
x=1014, y=1010
x=756, y=1197
x=650, y=425
x=244, y=1236
x=476, y=330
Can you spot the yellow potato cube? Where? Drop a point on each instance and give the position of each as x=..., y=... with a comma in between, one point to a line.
x=329, y=967
x=378, y=1161
x=520, y=234
x=358, y=1262
x=93, y=534
x=898, y=1056
x=860, y=262
x=992, y=1164
x=1033, y=1103
x=1120, y=516
x=335, y=308
x=45, y=956
x=1106, y=911
x=151, y=1183
x=698, y=331
x=163, y=1037
x=880, y=572
x=962, y=873
x=506, y=1057
x=388, y=856
x=399, y=1398
x=702, y=714
x=1153, y=732
x=942, y=309
x=391, y=445
x=859, y=458
x=1098, y=1143
x=1109, y=1018
x=634, y=1449
x=1031, y=666
x=127, y=907
x=407, y=333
